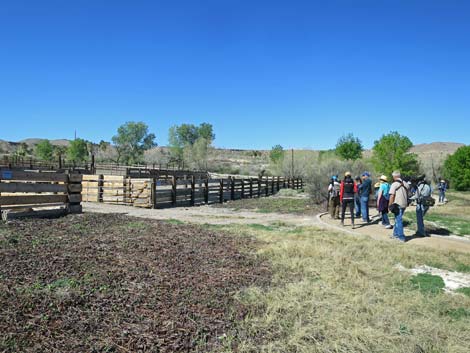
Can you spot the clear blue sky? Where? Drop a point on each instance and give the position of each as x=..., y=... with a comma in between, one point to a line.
x=298, y=73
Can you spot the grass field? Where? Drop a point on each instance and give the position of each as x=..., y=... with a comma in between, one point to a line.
x=342, y=293
x=453, y=217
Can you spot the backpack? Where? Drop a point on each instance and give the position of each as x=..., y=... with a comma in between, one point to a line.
x=335, y=190
x=424, y=196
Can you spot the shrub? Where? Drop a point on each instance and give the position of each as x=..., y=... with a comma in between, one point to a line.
x=457, y=168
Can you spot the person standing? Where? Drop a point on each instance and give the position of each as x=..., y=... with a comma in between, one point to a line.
x=383, y=197
x=442, y=186
x=422, y=195
x=333, y=194
x=398, y=203
x=348, y=190
x=364, y=192
x=357, y=198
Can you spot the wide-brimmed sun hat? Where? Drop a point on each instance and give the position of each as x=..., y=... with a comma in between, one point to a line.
x=347, y=174
x=377, y=185
x=383, y=178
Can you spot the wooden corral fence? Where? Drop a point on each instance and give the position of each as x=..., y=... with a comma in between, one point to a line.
x=154, y=193
x=39, y=193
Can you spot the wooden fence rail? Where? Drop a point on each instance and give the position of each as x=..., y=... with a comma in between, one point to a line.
x=46, y=193
x=155, y=193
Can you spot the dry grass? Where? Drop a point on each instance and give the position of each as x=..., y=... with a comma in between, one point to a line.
x=342, y=293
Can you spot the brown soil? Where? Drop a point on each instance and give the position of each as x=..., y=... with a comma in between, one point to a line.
x=112, y=283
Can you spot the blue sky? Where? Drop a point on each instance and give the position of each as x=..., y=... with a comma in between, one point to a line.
x=297, y=73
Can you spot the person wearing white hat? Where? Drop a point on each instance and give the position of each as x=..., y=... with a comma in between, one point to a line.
x=442, y=187
x=382, y=201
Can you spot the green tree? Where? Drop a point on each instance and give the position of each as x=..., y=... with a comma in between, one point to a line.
x=276, y=155
x=349, y=148
x=457, y=169
x=392, y=152
x=22, y=150
x=78, y=150
x=131, y=141
x=183, y=137
x=44, y=150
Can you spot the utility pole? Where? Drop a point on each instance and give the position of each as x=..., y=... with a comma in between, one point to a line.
x=292, y=165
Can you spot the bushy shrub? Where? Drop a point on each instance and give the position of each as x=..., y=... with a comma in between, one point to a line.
x=457, y=169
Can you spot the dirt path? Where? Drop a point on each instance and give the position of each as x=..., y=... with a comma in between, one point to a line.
x=203, y=214
x=212, y=215
x=374, y=230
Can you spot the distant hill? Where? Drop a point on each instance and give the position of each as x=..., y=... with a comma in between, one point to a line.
x=436, y=148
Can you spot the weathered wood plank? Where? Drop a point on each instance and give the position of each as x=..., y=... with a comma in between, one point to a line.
x=30, y=187
x=32, y=176
x=32, y=199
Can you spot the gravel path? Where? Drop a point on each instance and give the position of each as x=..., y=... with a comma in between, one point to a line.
x=213, y=215
x=203, y=214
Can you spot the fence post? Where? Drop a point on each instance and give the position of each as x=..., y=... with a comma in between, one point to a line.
x=251, y=188
x=206, y=191
x=232, y=188
x=100, y=188
x=153, y=192
x=278, y=186
x=301, y=183
x=173, y=190
x=272, y=186
x=221, y=191
x=243, y=189
x=74, y=193
x=266, y=187
x=193, y=186
x=259, y=186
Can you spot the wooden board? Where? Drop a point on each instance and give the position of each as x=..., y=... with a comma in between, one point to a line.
x=36, y=187
x=31, y=176
x=32, y=200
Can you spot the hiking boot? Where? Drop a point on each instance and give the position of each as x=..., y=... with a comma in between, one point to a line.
x=353, y=226
x=389, y=226
x=342, y=224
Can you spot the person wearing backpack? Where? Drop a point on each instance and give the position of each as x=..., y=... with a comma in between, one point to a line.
x=383, y=197
x=357, y=198
x=398, y=203
x=348, y=190
x=424, y=201
x=334, y=199
x=364, y=193
x=442, y=186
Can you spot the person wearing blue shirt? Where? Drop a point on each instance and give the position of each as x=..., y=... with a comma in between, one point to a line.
x=364, y=192
x=382, y=201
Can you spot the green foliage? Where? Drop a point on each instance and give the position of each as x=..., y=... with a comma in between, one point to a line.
x=190, y=142
x=277, y=154
x=391, y=153
x=131, y=141
x=349, y=147
x=457, y=169
x=77, y=151
x=22, y=150
x=428, y=283
x=44, y=150
x=465, y=291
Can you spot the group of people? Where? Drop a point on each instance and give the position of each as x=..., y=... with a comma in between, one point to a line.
x=395, y=196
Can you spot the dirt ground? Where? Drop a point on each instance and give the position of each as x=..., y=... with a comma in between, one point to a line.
x=204, y=214
x=376, y=231
x=217, y=215
x=111, y=283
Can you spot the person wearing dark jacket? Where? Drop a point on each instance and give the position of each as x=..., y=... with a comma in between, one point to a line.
x=348, y=190
x=364, y=192
x=357, y=198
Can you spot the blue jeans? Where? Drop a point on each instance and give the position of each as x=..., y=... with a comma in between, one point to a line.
x=385, y=219
x=365, y=208
x=398, y=230
x=357, y=204
x=442, y=196
x=420, y=213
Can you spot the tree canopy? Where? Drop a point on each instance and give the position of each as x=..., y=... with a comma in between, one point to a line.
x=392, y=152
x=276, y=155
x=349, y=148
x=131, y=141
x=44, y=150
x=185, y=136
x=457, y=169
x=78, y=150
